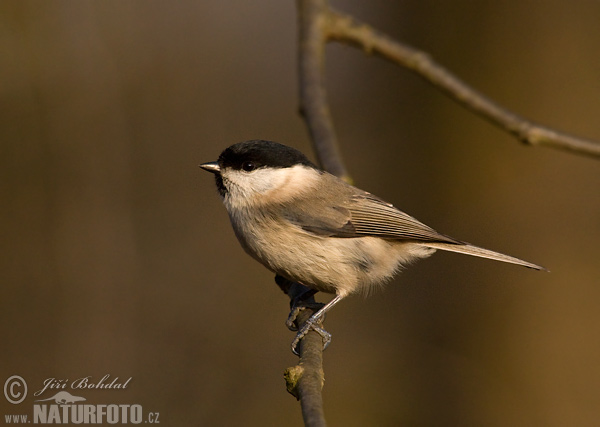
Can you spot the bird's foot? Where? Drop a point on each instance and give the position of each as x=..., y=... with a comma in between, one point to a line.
x=297, y=307
x=314, y=323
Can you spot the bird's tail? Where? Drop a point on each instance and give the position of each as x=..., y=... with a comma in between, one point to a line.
x=469, y=249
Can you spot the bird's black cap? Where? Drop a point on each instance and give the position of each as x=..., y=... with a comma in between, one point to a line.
x=262, y=154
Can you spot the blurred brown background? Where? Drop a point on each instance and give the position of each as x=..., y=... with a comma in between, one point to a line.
x=117, y=256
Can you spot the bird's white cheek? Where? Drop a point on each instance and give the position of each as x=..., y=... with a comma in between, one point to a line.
x=243, y=188
x=268, y=185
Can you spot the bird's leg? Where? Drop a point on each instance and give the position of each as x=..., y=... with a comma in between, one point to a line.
x=313, y=323
x=301, y=297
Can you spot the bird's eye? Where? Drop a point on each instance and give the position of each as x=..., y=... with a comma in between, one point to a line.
x=248, y=166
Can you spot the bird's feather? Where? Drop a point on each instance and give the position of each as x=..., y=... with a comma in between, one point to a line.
x=361, y=214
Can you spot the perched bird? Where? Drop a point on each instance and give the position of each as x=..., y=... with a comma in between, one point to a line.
x=311, y=227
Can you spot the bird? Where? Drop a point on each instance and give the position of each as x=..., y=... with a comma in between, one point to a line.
x=311, y=227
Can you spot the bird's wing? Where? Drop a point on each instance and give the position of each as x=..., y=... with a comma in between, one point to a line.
x=372, y=216
x=360, y=214
x=363, y=214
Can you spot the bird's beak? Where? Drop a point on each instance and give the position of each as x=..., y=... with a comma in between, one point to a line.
x=212, y=167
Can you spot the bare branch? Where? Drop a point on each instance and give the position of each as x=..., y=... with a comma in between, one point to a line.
x=346, y=29
x=312, y=19
x=305, y=380
x=309, y=378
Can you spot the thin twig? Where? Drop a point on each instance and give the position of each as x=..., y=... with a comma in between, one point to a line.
x=312, y=20
x=311, y=380
x=344, y=28
x=305, y=380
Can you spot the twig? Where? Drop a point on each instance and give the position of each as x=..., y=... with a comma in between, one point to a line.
x=305, y=380
x=309, y=376
x=312, y=20
x=319, y=24
x=347, y=29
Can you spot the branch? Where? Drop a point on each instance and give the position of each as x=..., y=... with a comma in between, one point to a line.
x=346, y=29
x=305, y=380
x=313, y=24
x=333, y=25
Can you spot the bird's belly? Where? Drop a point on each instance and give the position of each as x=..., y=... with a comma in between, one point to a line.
x=327, y=264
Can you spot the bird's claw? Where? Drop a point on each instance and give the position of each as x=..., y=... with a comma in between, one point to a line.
x=291, y=320
x=311, y=323
x=314, y=322
x=296, y=309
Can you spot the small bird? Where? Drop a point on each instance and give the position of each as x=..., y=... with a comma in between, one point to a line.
x=311, y=227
